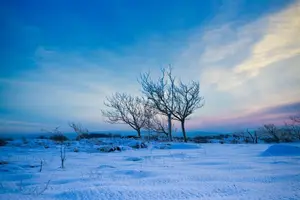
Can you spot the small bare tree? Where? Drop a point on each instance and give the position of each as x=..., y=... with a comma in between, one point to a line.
x=126, y=109
x=81, y=132
x=270, y=132
x=160, y=125
x=62, y=155
x=293, y=127
x=253, y=136
x=41, y=165
x=61, y=140
x=170, y=99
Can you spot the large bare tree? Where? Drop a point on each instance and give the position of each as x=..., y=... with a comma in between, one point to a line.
x=126, y=109
x=186, y=100
x=172, y=98
x=160, y=94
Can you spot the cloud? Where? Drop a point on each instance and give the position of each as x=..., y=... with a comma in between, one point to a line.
x=280, y=41
x=240, y=51
x=239, y=70
x=65, y=87
x=274, y=114
x=290, y=108
x=9, y=126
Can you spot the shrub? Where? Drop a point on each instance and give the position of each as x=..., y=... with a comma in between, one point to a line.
x=3, y=162
x=25, y=141
x=42, y=137
x=218, y=137
x=109, y=149
x=95, y=135
x=2, y=142
x=201, y=139
x=82, y=136
x=131, y=137
x=270, y=140
x=59, y=138
x=139, y=145
x=234, y=141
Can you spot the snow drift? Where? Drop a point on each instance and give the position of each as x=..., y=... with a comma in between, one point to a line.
x=282, y=150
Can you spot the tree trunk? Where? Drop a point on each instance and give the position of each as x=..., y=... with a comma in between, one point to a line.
x=62, y=163
x=183, y=131
x=256, y=138
x=138, y=132
x=170, y=126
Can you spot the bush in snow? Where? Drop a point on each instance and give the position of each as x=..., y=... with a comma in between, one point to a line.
x=271, y=134
x=81, y=132
x=59, y=138
x=138, y=145
x=2, y=142
x=42, y=137
x=76, y=149
x=108, y=149
x=25, y=141
x=234, y=141
x=201, y=139
x=3, y=162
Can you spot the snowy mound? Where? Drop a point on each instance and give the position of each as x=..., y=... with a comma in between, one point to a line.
x=282, y=150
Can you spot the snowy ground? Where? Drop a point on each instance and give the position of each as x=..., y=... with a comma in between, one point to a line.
x=186, y=171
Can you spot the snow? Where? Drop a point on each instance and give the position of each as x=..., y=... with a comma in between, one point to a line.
x=282, y=150
x=161, y=171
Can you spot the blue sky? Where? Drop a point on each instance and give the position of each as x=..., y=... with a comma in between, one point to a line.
x=59, y=59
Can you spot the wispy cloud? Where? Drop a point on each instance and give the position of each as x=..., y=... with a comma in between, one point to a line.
x=7, y=126
x=280, y=41
x=275, y=114
x=70, y=86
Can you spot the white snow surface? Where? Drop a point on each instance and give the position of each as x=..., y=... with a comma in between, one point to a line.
x=161, y=171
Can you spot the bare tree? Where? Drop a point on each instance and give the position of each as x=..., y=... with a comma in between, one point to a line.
x=149, y=115
x=126, y=109
x=81, y=132
x=187, y=100
x=253, y=135
x=41, y=166
x=62, y=154
x=178, y=101
x=271, y=132
x=61, y=140
x=293, y=127
x=159, y=124
x=160, y=93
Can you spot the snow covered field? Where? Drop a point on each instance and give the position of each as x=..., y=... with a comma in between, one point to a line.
x=181, y=171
